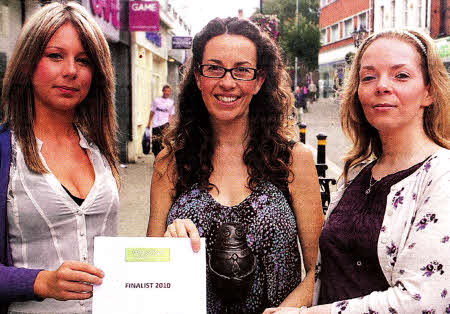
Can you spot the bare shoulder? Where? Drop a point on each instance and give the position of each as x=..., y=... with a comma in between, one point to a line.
x=162, y=192
x=165, y=165
x=302, y=159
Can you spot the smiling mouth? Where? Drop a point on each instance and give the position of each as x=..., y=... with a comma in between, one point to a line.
x=384, y=106
x=227, y=98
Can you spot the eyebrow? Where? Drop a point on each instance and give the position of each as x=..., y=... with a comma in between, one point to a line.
x=236, y=64
x=371, y=67
x=60, y=48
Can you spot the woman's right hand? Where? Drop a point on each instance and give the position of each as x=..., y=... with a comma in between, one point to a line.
x=73, y=280
x=184, y=228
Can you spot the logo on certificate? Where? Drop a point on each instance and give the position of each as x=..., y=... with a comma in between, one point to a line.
x=147, y=254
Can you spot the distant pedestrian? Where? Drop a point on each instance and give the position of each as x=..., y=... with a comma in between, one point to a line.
x=230, y=158
x=312, y=88
x=299, y=102
x=163, y=109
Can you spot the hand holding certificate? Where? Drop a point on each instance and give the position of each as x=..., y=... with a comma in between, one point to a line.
x=149, y=275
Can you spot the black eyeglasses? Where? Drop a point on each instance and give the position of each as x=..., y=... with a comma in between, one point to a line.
x=238, y=73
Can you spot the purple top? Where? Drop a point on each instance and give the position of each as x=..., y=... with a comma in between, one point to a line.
x=16, y=284
x=348, y=243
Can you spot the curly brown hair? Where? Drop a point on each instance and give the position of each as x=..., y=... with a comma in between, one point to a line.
x=268, y=153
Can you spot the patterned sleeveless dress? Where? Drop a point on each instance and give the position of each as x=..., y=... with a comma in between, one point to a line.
x=271, y=236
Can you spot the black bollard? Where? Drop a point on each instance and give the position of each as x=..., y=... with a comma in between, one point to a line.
x=321, y=158
x=302, y=130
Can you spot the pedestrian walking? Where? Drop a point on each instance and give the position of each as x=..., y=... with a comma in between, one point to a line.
x=231, y=159
x=163, y=109
x=59, y=176
x=312, y=89
x=385, y=245
x=300, y=102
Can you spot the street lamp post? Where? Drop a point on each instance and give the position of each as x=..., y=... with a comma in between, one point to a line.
x=359, y=35
x=261, y=6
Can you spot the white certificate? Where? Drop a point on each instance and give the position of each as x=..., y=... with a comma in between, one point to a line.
x=149, y=275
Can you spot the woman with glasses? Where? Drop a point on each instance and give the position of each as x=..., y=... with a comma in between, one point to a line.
x=230, y=158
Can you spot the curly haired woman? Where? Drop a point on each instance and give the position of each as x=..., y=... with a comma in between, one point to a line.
x=230, y=159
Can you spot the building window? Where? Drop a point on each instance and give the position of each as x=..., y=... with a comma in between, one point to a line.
x=348, y=28
x=393, y=13
x=406, y=13
x=323, y=36
x=334, y=33
x=362, y=18
x=419, y=8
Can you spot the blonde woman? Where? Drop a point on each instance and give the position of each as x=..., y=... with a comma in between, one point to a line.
x=385, y=244
x=58, y=162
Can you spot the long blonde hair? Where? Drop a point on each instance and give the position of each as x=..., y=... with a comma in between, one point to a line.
x=95, y=115
x=365, y=138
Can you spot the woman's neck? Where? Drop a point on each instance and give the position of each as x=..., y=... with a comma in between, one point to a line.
x=53, y=126
x=402, y=150
x=230, y=133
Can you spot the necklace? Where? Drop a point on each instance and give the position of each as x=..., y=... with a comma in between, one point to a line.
x=370, y=185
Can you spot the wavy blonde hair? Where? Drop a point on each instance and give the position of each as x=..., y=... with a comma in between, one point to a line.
x=95, y=115
x=365, y=138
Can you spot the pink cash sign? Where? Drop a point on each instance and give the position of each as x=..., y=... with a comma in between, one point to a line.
x=144, y=16
x=108, y=9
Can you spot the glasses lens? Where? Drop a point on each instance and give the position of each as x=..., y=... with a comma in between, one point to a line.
x=212, y=70
x=243, y=73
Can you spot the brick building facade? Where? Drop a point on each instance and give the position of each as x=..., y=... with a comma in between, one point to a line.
x=339, y=18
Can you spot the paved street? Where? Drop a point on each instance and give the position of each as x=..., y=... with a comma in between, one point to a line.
x=135, y=197
x=323, y=116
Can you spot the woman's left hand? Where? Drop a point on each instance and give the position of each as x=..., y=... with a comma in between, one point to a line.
x=283, y=310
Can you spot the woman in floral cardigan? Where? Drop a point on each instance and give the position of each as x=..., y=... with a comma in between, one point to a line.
x=385, y=245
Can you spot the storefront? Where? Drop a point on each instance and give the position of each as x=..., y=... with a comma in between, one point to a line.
x=332, y=67
x=108, y=14
x=443, y=46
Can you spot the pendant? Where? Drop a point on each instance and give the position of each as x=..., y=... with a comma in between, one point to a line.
x=368, y=191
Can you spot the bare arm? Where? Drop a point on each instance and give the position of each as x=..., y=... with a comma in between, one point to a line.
x=161, y=196
x=161, y=193
x=307, y=205
x=150, y=119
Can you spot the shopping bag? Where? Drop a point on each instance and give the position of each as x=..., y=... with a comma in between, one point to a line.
x=146, y=141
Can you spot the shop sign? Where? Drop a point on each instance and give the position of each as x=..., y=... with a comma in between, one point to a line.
x=181, y=42
x=144, y=16
x=108, y=10
x=154, y=38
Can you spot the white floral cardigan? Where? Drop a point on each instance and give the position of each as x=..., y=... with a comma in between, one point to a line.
x=413, y=246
